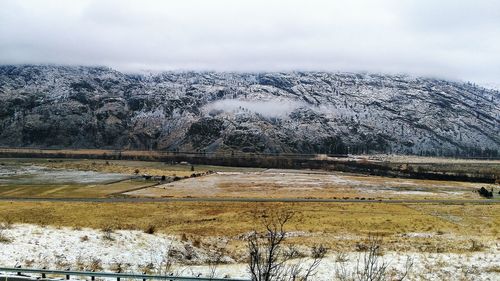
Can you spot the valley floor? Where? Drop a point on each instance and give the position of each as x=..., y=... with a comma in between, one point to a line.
x=456, y=240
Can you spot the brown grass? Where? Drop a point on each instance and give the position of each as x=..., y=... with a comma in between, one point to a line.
x=70, y=190
x=249, y=182
x=495, y=269
x=309, y=184
x=335, y=224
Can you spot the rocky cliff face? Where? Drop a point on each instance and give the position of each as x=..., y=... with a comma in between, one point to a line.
x=95, y=107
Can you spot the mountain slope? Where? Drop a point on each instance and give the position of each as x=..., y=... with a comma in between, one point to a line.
x=87, y=107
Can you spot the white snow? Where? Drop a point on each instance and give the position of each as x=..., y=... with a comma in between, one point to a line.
x=61, y=248
x=47, y=246
x=25, y=174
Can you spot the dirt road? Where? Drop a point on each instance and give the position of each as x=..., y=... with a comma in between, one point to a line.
x=249, y=200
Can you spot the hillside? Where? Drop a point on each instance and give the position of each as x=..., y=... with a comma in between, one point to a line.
x=298, y=112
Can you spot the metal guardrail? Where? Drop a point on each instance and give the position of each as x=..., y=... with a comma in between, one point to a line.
x=118, y=276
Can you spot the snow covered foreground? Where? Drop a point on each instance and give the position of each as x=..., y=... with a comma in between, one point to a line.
x=63, y=248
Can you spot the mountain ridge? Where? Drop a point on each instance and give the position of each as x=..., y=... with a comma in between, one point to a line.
x=273, y=112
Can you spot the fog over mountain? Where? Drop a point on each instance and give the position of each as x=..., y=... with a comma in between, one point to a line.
x=299, y=112
x=252, y=75
x=456, y=40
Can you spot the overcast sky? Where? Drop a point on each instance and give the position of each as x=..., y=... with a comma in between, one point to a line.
x=451, y=39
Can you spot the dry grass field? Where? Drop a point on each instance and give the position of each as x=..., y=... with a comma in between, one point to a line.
x=311, y=184
x=39, y=183
x=429, y=227
x=70, y=190
x=227, y=182
x=416, y=227
x=233, y=182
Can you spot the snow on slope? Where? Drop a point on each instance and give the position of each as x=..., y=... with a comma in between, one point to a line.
x=265, y=112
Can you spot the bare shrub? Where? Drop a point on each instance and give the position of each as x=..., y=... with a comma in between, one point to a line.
x=166, y=263
x=196, y=242
x=370, y=265
x=62, y=262
x=184, y=237
x=7, y=222
x=299, y=270
x=147, y=268
x=95, y=264
x=161, y=260
x=119, y=267
x=218, y=256
x=29, y=263
x=189, y=252
x=293, y=253
x=107, y=233
x=266, y=257
x=3, y=237
x=269, y=260
x=476, y=246
x=80, y=263
x=150, y=229
x=493, y=269
x=407, y=268
x=341, y=256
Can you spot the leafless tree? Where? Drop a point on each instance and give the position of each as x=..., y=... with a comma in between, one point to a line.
x=269, y=260
x=266, y=255
x=373, y=268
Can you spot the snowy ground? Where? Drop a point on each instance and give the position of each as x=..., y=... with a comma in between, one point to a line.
x=275, y=183
x=29, y=174
x=134, y=251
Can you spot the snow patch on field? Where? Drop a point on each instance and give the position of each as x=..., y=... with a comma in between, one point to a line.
x=61, y=248
x=52, y=247
x=28, y=174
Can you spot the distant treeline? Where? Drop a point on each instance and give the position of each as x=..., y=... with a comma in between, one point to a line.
x=339, y=162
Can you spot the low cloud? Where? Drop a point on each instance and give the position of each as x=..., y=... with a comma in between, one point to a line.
x=449, y=39
x=269, y=109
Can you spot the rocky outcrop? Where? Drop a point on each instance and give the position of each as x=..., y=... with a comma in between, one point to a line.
x=311, y=112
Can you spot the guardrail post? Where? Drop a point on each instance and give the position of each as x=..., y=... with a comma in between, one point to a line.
x=117, y=278
x=19, y=272
x=43, y=273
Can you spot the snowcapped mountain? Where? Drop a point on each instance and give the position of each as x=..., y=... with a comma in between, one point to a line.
x=304, y=112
